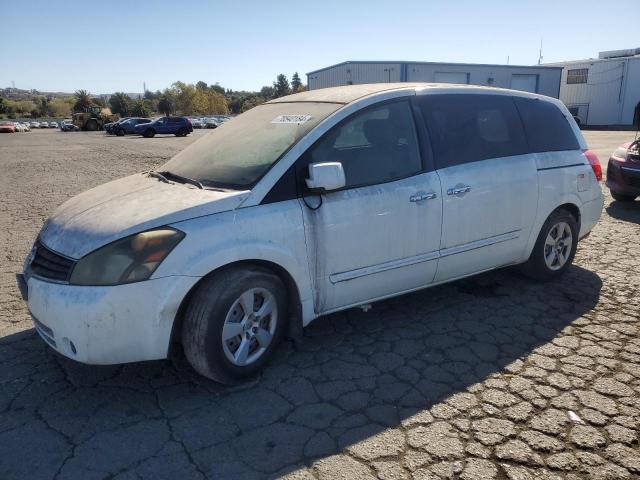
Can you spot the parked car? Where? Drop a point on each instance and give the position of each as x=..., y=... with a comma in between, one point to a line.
x=128, y=125
x=26, y=127
x=306, y=205
x=623, y=172
x=34, y=124
x=196, y=123
x=178, y=126
x=53, y=124
x=67, y=125
x=19, y=127
x=7, y=127
x=211, y=123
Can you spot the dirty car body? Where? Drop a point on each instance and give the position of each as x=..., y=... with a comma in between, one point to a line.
x=331, y=199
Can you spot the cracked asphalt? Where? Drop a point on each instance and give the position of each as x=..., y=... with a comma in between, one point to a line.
x=495, y=376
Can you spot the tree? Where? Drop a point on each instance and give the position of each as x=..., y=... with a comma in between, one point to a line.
x=183, y=95
x=202, y=86
x=251, y=102
x=281, y=86
x=296, y=83
x=165, y=104
x=268, y=92
x=140, y=109
x=217, y=88
x=61, y=107
x=83, y=101
x=120, y=104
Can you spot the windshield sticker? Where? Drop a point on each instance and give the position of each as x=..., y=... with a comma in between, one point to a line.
x=291, y=119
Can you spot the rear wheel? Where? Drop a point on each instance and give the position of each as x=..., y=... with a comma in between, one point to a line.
x=623, y=198
x=92, y=126
x=555, y=247
x=233, y=323
x=149, y=133
x=120, y=132
x=181, y=133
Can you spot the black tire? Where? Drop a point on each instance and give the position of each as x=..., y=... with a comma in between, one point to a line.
x=623, y=198
x=149, y=133
x=205, y=317
x=536, y=267
x=120, y=132
x=181, y=133
x=91, y=126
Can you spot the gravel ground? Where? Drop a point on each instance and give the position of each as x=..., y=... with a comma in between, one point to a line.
x=491, y=377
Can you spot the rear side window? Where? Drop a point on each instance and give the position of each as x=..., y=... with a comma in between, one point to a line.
x=548, y=130
x=467, y=128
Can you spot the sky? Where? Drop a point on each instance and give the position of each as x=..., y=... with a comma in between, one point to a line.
x=115, y=45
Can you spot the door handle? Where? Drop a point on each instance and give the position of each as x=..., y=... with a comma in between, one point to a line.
x=419, y=197
x=459, y=190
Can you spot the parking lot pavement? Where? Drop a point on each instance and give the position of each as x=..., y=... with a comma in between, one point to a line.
x=495, y=376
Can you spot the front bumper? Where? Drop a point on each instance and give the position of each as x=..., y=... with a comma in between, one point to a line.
x=107, y=325
x=623, y=177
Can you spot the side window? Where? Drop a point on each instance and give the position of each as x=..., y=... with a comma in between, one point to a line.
x=467, y=128
x=162, y=120
x=548, y=130
x=377, y=145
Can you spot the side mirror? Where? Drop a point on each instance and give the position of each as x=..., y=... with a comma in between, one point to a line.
x=326, y=176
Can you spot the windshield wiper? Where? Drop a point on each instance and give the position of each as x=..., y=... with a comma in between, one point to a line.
x=158, y=175
x=182, y=179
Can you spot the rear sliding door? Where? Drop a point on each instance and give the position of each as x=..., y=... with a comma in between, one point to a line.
x=489, y=180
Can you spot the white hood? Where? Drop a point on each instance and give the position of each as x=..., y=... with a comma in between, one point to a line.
x=127, y=206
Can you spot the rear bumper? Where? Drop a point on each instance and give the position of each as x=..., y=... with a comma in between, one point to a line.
x=590, y=214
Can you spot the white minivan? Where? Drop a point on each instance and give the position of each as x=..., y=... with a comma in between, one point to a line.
x=307, y=205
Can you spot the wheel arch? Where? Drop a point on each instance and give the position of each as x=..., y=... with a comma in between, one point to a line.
x=569, y=205
x=294, y=327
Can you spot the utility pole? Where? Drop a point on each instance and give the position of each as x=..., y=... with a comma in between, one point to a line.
x=540, y=56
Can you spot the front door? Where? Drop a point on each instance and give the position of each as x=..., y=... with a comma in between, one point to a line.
x=489, y=180
x=380, y=234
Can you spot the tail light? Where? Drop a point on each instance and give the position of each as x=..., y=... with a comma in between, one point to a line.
x=595, y=163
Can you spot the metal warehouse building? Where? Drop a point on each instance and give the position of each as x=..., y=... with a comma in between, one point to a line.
x=603, y=91
x=541, y=79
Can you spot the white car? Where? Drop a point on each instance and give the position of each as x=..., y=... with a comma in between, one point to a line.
x=34, y=124
x=306, y=205
x=19, y=127
x=53, y=125
x=26, y=126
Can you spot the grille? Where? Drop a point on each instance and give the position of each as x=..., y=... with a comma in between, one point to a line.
x=49, y=264
x=632, y=179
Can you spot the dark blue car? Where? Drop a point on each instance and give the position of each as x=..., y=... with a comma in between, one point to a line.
x=128, y=125
x=178, y=126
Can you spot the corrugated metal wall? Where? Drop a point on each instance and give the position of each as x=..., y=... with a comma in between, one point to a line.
x=547, y=79
x=356, y=73
x=611, y=93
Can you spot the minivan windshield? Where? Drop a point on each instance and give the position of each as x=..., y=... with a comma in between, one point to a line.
x=240, y=151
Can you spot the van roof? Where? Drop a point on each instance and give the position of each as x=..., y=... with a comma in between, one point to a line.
x=350, y=93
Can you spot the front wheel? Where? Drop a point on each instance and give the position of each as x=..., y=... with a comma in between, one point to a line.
x=149, y=133
x=623, y=198
x=120, y=132
x=555, y=247
x=233, y=323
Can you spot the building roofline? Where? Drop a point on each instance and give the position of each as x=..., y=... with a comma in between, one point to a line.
x=594, y=60
x=493, y=65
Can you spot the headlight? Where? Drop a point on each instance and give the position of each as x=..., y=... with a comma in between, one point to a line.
x=620, y=152
x=130, y=259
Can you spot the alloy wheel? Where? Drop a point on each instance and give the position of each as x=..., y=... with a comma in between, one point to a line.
x=558, y=245
x=249, y=326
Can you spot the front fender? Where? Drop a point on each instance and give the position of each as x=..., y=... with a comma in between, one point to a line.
x=271, y=233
